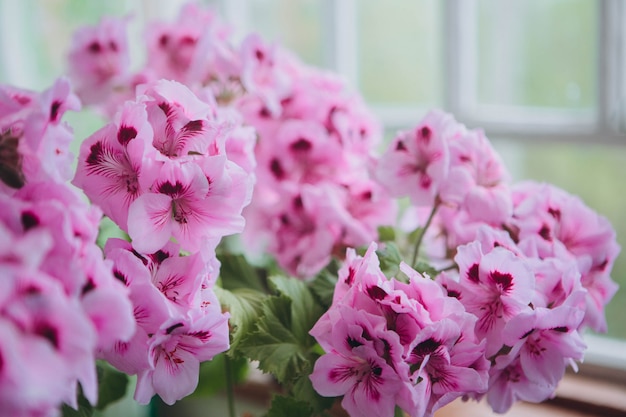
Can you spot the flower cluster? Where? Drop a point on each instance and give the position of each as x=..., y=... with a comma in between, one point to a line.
x=315, y=138
x=316, y=195
x=389, y=342
x=530, y=263
x=161, y=171
x=61, y=304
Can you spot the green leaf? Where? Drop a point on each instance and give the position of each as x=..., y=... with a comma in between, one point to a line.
x=386, y=234
x=213, y=375
x=424, y=268
x=414, y=235
x=236, y=272
x=288, y=407
x=323, y=287
x=112, y=385
x=305, y=310
x=274, y=344
x=303, y=391
x=244, y=306
x=390, y=257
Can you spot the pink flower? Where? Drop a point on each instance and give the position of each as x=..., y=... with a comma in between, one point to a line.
x=179, y=319
x=480, y=178
x=110, y=163
x=56, y=299
x=173, y=46
x=176, y=352
x=99, y=60
x=551, y=223
x=261, y=72
x=368, y=384
x=418, y=161
x=497, y=286
x=384, y=335
x=34, y=141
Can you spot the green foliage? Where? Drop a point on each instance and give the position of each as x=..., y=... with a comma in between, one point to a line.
x=305, y=311
x=236, y=272
x=213, y=375
x=282, y=344
x=323, y=287
x=386, y=234
x=112, y=385
x=244, y=306
x=274, y=343
x=288, y=407
x=390, y=257
x=425, y=268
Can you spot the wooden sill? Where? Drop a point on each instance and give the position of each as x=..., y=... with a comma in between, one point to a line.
x=577, y=396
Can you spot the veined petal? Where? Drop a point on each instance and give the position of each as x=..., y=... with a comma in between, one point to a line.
x=150, y=222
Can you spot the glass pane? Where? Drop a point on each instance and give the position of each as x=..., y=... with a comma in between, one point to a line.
x=537, y=52
x=400, y=50
x=295, y=24
x=43, y=29
x=595, y=174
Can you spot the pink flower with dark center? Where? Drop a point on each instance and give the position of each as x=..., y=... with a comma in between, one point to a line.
x=99, y=60
x=111, y=161
x=417, y=162
x=497, y=286
x=176, y=352
x=367, y=383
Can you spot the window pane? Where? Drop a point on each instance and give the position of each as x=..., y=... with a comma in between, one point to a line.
x=399, y=52
x=295, y=24
x=595, y=174
x=537, y=52
x=43, y=29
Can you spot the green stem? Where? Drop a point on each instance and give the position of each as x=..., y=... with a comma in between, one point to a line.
x=230, y=394
x=398, y=412
x=416, y=250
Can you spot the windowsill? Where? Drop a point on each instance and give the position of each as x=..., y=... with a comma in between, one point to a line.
x=577, y=396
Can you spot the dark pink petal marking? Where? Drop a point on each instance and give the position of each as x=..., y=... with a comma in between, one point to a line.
x=277, y=169
x=301, y=145
x=504, y=281
x=126, y=134
x=425, y=134
x=54, y=110
x=48, y=332
x=376, y=293
x=94, y=47
x=341, y=373
x=29, y=220
x=472, y=273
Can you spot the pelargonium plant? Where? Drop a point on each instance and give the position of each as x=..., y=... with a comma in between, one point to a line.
x=258, y=224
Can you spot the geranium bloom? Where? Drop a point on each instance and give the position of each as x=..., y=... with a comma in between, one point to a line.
x=33, y=139
x=99, y=60
x=383, y=335
x=179, y=320
x=176, y=352
x=497, y=286
x=551, y=223
x=478, y=169
x=111, y=160
x=418, y=161
x=160, y=170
